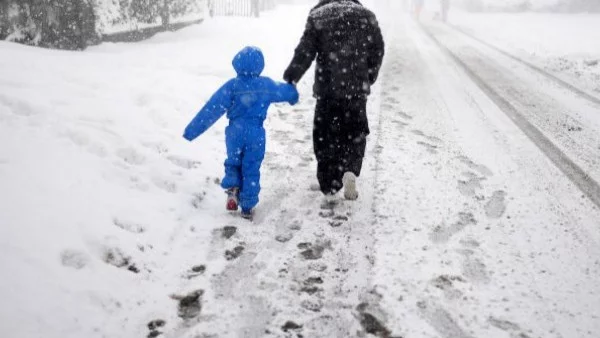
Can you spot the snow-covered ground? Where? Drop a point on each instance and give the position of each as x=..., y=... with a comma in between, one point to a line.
x=96, y=179
x=564, y=44
x=463, y=227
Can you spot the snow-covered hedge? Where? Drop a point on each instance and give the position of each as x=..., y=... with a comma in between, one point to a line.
x=124, y=15
x=75, y=24
x=65, y=24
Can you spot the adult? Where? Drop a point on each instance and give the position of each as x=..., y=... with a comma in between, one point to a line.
x=418, y=7
x=445, y=6
x=346, y=41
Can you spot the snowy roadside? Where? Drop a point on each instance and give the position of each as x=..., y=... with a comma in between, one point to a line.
x=478, y=226
x=563, y=44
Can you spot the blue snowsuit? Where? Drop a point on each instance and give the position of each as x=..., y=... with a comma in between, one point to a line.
x=245, y=99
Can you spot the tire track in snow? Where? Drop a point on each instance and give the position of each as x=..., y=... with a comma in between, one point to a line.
x=586, y=184
x=533, y=272
x=565, y=84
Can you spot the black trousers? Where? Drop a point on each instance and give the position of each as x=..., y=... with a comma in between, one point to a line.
x=339, y=139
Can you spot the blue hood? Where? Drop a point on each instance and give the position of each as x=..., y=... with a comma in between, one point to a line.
x=249, y=62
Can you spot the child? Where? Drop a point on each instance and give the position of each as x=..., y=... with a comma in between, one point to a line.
x=245, y=99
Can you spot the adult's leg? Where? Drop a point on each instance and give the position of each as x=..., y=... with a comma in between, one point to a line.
x=329, y=176
x=354, y=152
x=353, y=138
x=326, y=143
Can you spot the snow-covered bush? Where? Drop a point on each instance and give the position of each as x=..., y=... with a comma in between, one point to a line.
x=67, y=24
x=75, y=24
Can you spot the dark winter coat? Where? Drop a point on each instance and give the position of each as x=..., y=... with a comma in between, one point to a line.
x=346, y=40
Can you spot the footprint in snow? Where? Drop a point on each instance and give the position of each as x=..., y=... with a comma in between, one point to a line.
x=74, y=259
x=313, y=251
x=404, y=115
x=496, y=206
x=431, y=148
x=387, y=105
x=400, y=123
x=157, y=147
x=338, y=220
x=470, y=184
x=85, y=142
x=475, y=270
x=197, y=199
x=190, y=305
x=291, y=326
x=128, y=226
x=228, y=231
x=165, y=184
x=446, y=284
x=183, y=162
x=310, y=285
x=131, y=156
x=427, y=137
x=417, y=132
x=116, y=258
x=442, y=234
x=314, y=305
x=154, y=327
x=508, y=326
x=370, y=323
x=483, y=170
x=19, y=107
x=469, y=243
x=195, y=271
x=235, y=253
x=441, y=320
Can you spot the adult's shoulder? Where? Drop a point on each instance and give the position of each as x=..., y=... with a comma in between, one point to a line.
x=370, y=15
x=336, y=8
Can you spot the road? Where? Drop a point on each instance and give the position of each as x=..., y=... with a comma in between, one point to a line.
x=478, y=213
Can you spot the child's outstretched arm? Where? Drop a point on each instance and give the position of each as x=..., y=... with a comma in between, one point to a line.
x=284, y=92
x=218, y=105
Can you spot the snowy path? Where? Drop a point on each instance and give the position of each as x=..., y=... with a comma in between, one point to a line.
x=464, y=227
x=557, y=43
x=563, y=125
x=499, y=240
x=450, y=238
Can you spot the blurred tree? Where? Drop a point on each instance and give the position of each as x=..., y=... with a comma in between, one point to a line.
x=3, y=20
x=473, y=5
x=523, y=6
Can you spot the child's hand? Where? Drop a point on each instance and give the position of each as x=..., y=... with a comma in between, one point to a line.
x=295, y=96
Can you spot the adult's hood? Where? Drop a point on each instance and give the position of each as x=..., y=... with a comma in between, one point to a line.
x=249, y=62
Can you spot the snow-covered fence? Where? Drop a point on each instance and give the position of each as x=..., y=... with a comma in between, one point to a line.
x=76, y=24
x=240, y=7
